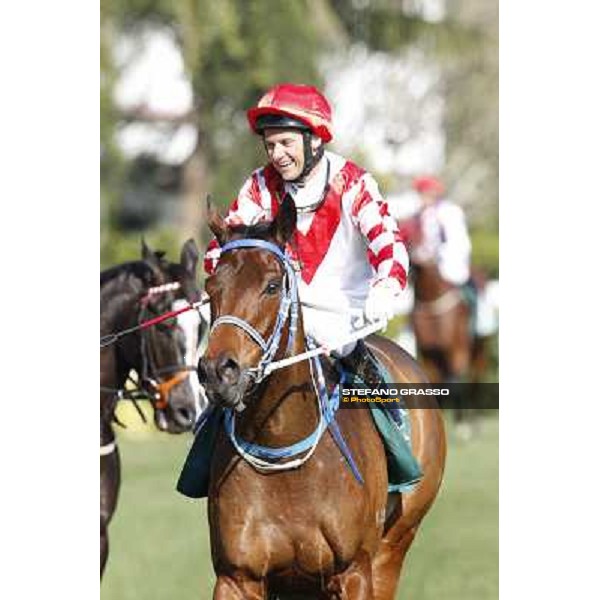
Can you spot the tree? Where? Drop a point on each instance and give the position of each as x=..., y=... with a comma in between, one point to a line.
x=235, y=49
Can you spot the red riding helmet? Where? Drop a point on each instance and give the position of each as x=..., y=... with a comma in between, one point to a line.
x=428, y=184
x=302, y=104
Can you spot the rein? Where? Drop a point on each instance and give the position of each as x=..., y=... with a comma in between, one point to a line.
x=111, y=338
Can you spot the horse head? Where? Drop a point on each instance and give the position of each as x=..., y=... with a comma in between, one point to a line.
x=252, y=293
x=165, y=375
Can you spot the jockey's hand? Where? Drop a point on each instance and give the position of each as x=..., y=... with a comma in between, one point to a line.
x=381, y=301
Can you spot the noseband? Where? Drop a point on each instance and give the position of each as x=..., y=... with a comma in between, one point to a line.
x=288, y=305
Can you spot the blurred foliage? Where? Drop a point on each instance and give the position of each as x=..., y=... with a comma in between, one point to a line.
x=471, y=88
x=485, y=251
x=234, y=50
x=117, y=246
x=387, y=25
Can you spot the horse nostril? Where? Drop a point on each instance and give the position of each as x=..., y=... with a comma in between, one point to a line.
x=185, y=415
x=228, y=371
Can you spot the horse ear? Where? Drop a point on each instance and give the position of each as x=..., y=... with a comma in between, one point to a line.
x=146, y=252
x=148, y=255
x=216, y=223
x=284, y=224
x=189, y=257
x=186, y=270
x=150, y=258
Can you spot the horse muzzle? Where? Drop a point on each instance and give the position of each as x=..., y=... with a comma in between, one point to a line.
x=224, y=381
x=174, y=404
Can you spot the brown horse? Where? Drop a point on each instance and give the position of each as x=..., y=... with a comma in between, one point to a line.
x=130, y=293
x=313, y=530
x=441, y=319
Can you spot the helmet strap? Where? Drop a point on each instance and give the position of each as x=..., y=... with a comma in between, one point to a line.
x=311, y=159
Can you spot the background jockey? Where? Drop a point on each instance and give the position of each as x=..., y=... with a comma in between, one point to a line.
x=444, y=240
x=444, y=235
x=348, y=249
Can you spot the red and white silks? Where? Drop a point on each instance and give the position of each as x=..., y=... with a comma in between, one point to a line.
x=349, y=244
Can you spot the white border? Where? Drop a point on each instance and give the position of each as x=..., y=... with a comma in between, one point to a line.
x=49, y=301
x=549, y=233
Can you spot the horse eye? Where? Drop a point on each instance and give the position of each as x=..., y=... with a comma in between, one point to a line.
x=273, y=286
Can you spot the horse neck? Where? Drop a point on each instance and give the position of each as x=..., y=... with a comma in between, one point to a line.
x=428, y=283
x=285, y=410
x=119, y=310
x=119, y=300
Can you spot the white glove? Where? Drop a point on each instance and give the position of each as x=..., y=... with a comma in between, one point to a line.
x=382, y=300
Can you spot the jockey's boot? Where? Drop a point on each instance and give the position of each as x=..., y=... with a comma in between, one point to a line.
x=362, y=363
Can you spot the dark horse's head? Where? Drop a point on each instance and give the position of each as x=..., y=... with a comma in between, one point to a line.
x=138, y=291
x=246, y=288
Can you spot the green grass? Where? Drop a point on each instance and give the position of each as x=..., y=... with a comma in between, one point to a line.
x=159, y=539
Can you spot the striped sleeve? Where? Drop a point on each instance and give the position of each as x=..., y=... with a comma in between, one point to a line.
x=386, y=247
x=248, y=208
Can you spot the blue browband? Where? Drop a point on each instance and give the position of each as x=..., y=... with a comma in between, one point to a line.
x=255, y=243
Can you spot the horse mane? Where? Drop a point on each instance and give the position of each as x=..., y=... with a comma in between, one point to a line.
x=137, y=269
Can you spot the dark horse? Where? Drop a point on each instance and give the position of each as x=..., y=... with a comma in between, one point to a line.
x=314, y=530
x=130, y=293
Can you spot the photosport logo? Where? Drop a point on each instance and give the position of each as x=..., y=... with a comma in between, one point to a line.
x=421, y=395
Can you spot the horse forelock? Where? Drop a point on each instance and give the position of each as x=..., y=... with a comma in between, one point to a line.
x=260, y=231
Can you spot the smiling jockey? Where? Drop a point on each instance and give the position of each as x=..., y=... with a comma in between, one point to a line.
x=348, y=249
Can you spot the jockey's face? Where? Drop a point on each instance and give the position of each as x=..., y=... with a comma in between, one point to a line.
x=428, y=198
x=285, y=150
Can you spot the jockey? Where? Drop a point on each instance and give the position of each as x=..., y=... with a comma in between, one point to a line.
x=445, y=241
x=348, y=249
x=445, y=236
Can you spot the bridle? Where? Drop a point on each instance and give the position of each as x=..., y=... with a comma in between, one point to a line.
x=263, y=458
x=151, y=384
x=150, y=377
x=288, y=305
